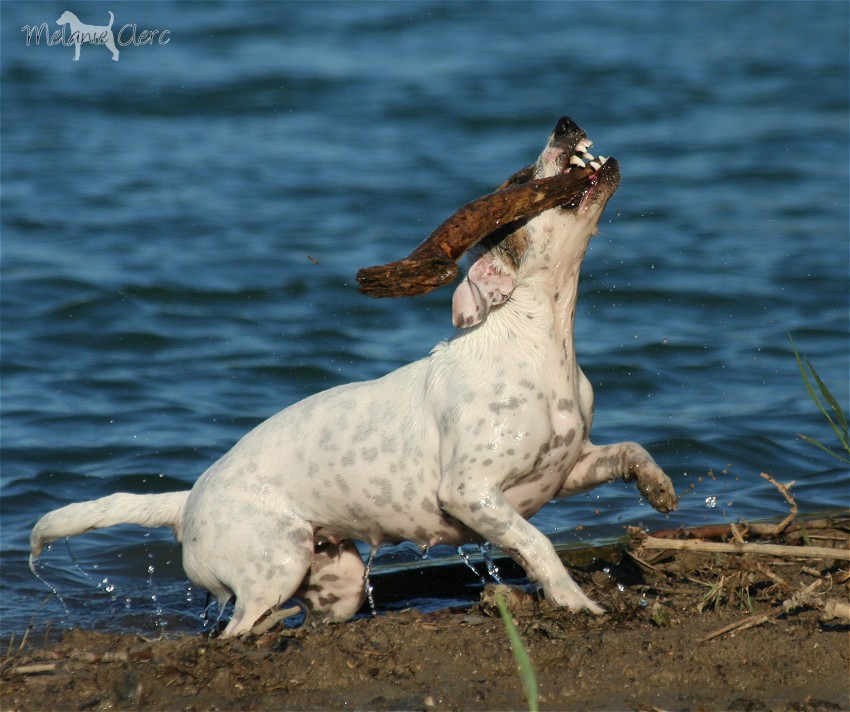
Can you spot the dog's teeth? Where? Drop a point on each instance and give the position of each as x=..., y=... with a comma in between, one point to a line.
x=576, y=161
x=602, y=159
x=586, y=157
x=595, y=165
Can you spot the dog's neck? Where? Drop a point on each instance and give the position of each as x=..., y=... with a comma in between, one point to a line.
x=552, y=275
x=555, y=293
x=537, y=322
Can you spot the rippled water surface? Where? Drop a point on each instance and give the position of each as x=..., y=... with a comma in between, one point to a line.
x=181, y=228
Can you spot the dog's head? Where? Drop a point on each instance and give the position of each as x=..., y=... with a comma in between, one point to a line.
x=66, y=18
x=553, y=242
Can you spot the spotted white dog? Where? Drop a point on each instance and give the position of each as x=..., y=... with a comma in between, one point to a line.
x=92, y=34
x=462, y=446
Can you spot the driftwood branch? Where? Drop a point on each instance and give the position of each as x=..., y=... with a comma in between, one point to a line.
x=434, y=262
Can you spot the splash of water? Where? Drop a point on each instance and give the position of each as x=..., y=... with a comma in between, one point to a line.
x=492, y=569
x=158, y=612
x=367, y=583
x=54, y=591
x=465, y=557
x=77, y=563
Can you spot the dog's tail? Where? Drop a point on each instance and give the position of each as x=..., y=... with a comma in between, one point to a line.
x=147, y=510
x=111, y=20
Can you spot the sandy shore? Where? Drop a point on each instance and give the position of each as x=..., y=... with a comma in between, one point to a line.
x=685, y=630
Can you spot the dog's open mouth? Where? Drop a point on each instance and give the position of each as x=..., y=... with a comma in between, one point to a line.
x=601, y=172
x=581, y=158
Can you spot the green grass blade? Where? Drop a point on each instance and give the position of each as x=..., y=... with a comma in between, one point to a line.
x=839, y=427
x=526, y=671
x=823, y=447
x=805, y=376
x=830, y=399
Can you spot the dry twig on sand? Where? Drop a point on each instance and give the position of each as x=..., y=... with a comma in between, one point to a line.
x=807, y=597
x=784, y=489
x=807, y=552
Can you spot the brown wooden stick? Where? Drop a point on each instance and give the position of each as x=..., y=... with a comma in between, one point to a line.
x=829, y=607
x=806, y=552
x=434, y=262
x=34, y=669
x=834, y=608
x=716, y=531
x=743, y=624
x=785, y=490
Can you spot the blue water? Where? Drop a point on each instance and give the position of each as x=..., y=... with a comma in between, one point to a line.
x=181, y=229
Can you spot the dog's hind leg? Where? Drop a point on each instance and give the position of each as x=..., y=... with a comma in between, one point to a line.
x=335, y=585
x=262, y=565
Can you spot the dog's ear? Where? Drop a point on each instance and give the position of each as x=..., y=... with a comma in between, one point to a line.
x=486, y=284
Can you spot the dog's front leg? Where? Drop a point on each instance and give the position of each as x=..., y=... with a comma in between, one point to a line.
x=628, y=461
x=480, y=505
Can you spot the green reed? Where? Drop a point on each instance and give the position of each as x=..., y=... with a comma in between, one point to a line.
x=526, y=671
x=826, y=403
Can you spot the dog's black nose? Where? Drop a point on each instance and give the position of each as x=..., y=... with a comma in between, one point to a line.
x=566, y=126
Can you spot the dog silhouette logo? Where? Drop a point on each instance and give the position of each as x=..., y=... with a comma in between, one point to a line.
x=82, y=33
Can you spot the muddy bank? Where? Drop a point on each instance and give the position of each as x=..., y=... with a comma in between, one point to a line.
x=685, y=630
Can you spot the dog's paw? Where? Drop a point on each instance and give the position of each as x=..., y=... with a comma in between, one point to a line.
x=572, y=597
x=656, y=487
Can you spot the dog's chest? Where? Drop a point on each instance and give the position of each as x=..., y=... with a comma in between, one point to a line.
x=563, y=416
x=541, y=481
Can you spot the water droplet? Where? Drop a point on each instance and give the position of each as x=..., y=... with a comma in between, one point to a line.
x=711, y=501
